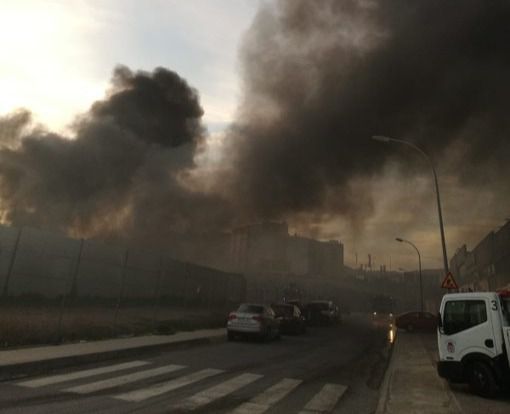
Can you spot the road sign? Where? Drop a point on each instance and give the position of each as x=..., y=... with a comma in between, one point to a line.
x=449, y=282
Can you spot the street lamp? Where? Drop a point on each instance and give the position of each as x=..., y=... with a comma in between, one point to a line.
x=419, y=268
x=381, y=138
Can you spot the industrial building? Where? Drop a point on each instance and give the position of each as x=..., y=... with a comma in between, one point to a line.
x=487, y=266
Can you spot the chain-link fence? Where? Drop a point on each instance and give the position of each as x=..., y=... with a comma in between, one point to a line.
x=55, y=287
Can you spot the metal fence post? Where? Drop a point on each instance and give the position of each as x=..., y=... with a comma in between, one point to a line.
x=71, y=292
x=185, y=298
x=11, y=264
x=121, y=292
x=157, y=295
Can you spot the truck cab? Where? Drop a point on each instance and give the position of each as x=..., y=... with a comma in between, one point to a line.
x=474, y=340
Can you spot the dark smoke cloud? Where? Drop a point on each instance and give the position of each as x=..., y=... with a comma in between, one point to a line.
x=322, y=77
x=121, y=174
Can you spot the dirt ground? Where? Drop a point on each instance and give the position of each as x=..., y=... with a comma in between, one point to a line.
x=43, y=324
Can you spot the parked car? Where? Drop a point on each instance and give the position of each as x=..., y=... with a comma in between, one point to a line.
x=290, y=317
x=322, y=312
x=420, y=321
x=301, y=306
x=255, y=320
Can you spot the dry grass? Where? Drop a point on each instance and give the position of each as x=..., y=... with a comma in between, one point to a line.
x=39, y=324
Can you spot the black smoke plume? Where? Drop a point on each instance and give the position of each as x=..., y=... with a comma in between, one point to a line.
x=122, y=172
x=322, y=77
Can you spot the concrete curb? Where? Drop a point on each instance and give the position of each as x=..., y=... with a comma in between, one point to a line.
x=384, y=393
x=17, y=370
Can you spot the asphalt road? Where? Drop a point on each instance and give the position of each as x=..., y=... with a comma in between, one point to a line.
x=331, y=369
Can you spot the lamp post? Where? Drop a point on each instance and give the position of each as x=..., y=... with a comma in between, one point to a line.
x=419, y=268
x=438, y=199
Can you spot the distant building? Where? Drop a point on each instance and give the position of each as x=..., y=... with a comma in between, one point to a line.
x=260, y=247
x=487, y=266
x=268, y=247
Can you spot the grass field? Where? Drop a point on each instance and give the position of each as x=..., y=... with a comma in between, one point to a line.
x=42, y=323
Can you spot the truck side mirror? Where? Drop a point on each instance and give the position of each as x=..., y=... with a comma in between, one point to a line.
x=440, y=322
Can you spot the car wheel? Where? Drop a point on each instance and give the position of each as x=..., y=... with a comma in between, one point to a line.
x=482, y=380
x=231, y=336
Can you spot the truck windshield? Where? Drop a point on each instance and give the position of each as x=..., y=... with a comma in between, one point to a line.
x=460, y=315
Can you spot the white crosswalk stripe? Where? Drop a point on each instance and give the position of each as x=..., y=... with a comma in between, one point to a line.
x=158, y=389
x=123, y=379
x=325, y=400
x=216, y=392
x=57, y=379
x=263, y=402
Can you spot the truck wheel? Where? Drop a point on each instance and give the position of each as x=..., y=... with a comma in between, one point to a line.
x=482, y=380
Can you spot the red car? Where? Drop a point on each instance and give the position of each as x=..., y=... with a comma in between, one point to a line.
x=420, y=321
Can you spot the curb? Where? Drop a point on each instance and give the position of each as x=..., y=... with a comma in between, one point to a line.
x=9, y=372
x=384, y=393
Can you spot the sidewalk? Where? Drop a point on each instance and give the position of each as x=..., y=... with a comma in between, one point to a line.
x=18, y=362
x=411, y=383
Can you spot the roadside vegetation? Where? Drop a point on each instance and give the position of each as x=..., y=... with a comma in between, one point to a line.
x=42, y=322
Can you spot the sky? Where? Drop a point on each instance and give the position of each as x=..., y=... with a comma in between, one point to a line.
x=291, y=90
x=59, y=55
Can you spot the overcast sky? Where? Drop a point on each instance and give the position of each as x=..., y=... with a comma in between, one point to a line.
x=57, y=56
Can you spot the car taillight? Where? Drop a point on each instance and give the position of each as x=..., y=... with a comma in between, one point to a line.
x=232, y=316
x=257, y=318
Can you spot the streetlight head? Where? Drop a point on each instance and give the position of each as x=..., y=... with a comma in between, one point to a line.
x=399, y=239
x=380, y=138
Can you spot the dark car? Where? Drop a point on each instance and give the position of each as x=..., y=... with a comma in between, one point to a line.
x=419, y=321
x=290, y=317
x=322, y=312
x=300, y=305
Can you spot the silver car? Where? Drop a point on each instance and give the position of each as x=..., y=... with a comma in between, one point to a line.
x=252, y=319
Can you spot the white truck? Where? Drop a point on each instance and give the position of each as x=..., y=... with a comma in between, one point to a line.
x=474, y=340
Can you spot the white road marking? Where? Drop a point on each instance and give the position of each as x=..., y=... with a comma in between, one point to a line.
x=218, y=391
x=325, y=400
x=158, y=389
x=263, y=402
x=124, y=379
x=56, y=379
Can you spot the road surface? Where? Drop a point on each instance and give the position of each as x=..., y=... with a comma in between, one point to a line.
x=330, y=369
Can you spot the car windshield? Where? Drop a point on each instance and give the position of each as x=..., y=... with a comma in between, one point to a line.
x=246, y=308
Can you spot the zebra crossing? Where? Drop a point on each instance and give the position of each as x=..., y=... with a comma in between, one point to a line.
x=220, y=384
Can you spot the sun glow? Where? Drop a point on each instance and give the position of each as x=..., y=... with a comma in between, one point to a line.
x=44, y=45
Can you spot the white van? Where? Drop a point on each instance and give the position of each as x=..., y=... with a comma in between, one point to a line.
x=474, y=340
